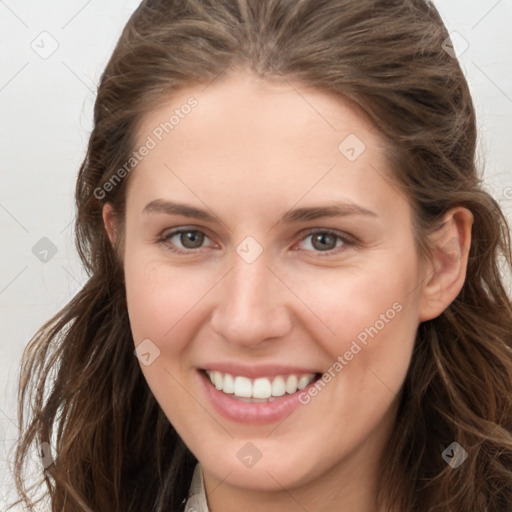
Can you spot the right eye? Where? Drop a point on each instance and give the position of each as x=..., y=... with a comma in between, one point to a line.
x=183, y=240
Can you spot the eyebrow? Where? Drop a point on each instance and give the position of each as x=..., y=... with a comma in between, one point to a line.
x=295, y=215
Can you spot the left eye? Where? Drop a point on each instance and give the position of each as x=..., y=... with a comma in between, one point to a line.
x=324, y=241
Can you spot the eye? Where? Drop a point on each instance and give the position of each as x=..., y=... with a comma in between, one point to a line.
x=326, y=241
x=189, y=239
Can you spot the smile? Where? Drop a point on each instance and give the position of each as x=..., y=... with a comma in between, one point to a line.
x=254, y=398
x=260, y=389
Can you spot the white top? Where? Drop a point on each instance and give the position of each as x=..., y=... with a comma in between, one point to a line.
x=197, y=494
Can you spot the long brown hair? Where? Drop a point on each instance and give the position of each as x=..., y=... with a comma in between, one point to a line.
x=81, y=388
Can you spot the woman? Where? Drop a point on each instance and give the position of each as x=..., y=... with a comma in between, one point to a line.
x=282, y=219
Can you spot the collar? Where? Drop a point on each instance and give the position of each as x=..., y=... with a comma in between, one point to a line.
x=196, y=501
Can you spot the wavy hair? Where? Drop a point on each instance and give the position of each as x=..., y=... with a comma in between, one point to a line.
x=81, y=388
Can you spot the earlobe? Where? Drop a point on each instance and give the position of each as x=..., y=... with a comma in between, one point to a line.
x=450, y=251
x=109, y=221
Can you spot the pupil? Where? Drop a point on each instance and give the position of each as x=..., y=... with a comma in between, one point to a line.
x=193, y=239
x=324, y=240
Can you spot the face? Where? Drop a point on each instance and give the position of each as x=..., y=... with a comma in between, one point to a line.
x=266, y=247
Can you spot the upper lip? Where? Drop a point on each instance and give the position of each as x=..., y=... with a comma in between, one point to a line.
x=255, y=371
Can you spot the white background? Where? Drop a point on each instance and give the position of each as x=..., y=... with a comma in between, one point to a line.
x=46, y=116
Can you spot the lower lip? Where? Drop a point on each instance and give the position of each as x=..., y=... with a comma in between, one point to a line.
x=254, y=413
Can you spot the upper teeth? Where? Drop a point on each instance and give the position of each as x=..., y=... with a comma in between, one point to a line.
x=262, y=387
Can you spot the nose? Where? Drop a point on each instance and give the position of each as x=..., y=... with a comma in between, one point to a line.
x=251, y=305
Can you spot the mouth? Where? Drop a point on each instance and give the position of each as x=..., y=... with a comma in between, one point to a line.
x=259, y=400
x=261, y=389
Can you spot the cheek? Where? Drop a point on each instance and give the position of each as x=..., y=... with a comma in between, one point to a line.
x=161, y=296
x=366, y=321
x=162, y=306
x=359, y=304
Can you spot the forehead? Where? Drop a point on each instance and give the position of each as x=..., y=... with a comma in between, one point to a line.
x=244, y=105
x=269, y=139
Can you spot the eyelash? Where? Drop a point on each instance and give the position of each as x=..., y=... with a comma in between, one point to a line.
x=347, y=240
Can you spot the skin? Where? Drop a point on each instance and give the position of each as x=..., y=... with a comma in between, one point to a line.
x=249, y=152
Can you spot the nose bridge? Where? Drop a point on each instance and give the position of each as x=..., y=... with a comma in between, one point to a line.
x=250, y=283
x=250, y=307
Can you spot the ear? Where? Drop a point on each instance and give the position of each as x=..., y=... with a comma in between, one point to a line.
x=446, y=274
x=109, y=221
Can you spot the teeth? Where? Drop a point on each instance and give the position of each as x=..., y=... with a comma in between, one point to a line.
x=303, y=382
x=229, y=383
x=218, y=380
x=243, y=387
x=291, y=384
x=261, y=388
x=278, y=386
